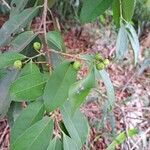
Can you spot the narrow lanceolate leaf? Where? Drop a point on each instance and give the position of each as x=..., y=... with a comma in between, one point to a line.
x=116, y=12
x=27, y=88
x=109, y=104
x=122, y=43
x=57, y=87
x=55, y=144
x=5, y=82
x=22, y=40
x=36, y=137
x=16, y=23
x=79, y=91
x=109, y=87
x=121, y=138
x=17, y=6
x=112, y=122
x=8, y=58
x=127, y=9
x=76, y=124
x=68, y=143
x=30, y=115
x=133, y=38
x=93, y=8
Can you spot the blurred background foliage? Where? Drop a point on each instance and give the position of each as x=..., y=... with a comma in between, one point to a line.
x=68, y=11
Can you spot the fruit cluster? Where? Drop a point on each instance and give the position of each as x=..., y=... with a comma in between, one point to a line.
x=100, y=62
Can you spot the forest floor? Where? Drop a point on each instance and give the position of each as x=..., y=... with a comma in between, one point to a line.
x=132, y=106
x=132, y=90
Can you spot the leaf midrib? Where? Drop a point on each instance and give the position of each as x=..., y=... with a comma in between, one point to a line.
x=29, y=88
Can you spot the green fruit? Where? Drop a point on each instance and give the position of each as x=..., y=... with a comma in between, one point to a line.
x=17, y=64
x=100, y=66
x=77, y=65
x=37, y=46
x=106, y=62
x=98, y=57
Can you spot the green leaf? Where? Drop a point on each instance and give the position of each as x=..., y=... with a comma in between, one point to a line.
x=127, y=9
x=13, y=113
x=57, y=87
x=5, y=82
x=22, y=40
x=76, y=125
x=55, y=144
x=55, y=40
x=27, y=88
x=122, y=43
x=17, y=6
x=69, y=143
x=8, y=58
x=16, y=23
x=109, y=87
x=30, y=115
x=93, y=8
x=116, y=12
x=79, y=91
x=36, y=137
x=133, y=38
x=121, y=138
x=2, y=73
x=109, y=104
x=63, y=128
x=29, y=68
x=112, y=122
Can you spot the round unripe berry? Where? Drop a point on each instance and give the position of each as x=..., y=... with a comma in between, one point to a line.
x=17, y=64
x=37, y=46
x=98, y=57
x=77, y=65
x=100, y=66
x=106, y=62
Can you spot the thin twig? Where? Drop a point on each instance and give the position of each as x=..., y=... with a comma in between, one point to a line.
x=30, y=58
x=56, y=24
x=125, y=86
x=41, y=62
x=125, y=124
x=126, y=127
x=45, y=38
x=68, y=55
